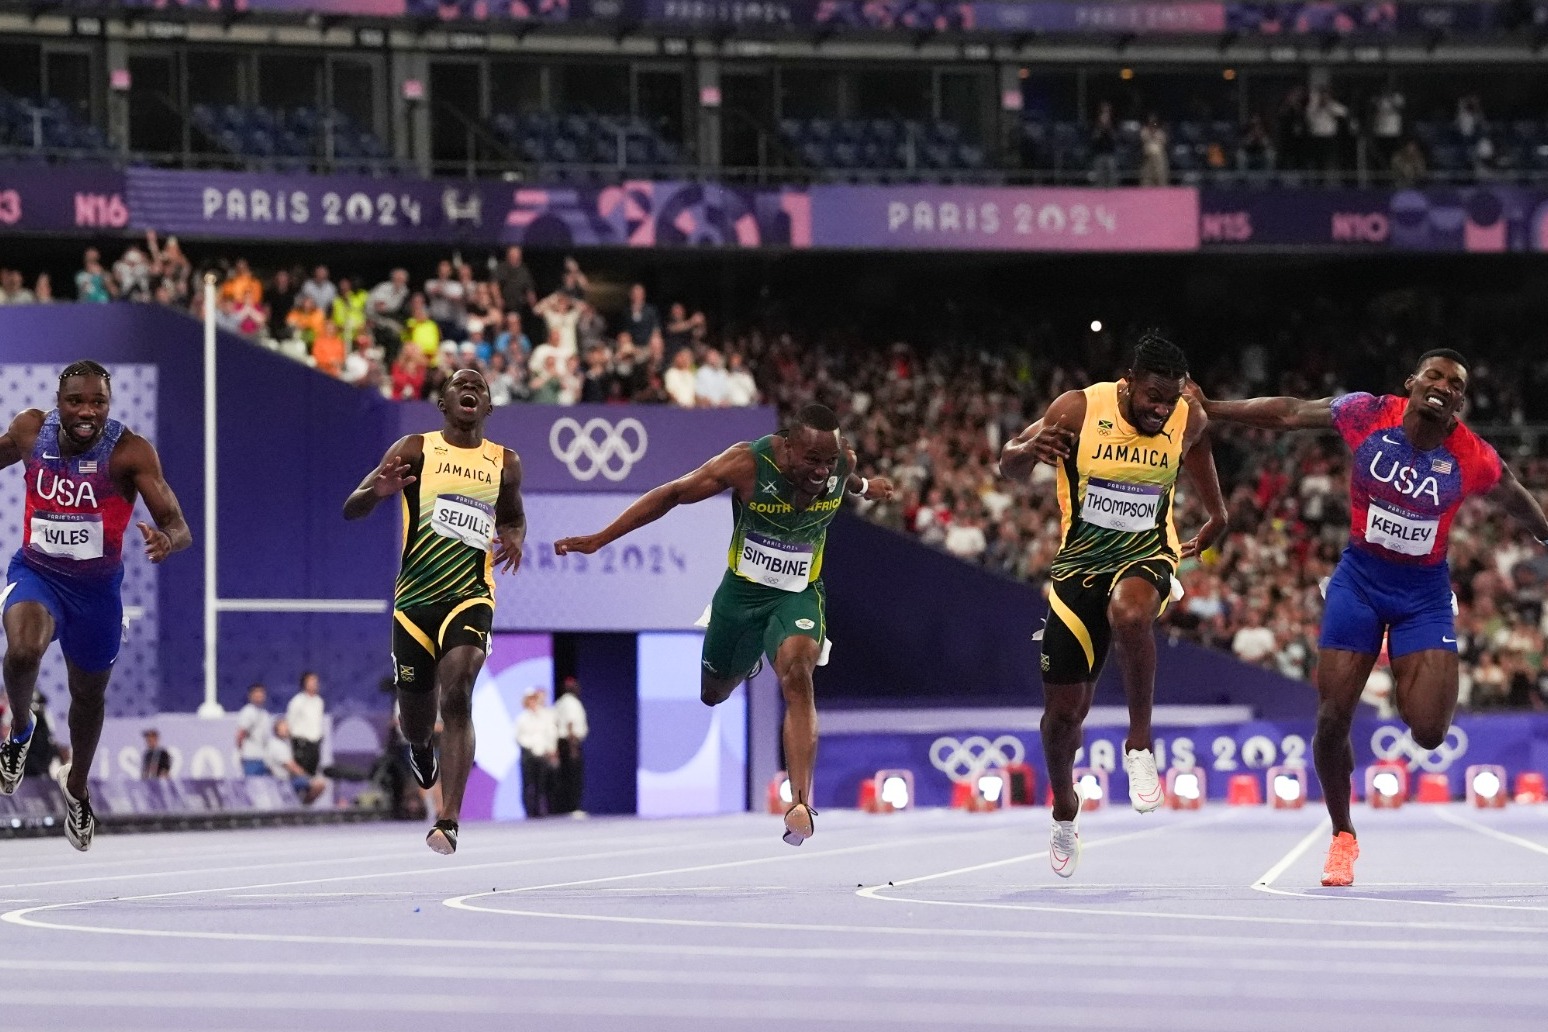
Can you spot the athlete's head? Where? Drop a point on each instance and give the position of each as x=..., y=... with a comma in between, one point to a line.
x=465, y=399
x=813, y=448
x=1156, y=380
x=85, y=389
x=1437, y=387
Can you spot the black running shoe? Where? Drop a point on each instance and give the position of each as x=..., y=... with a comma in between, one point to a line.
x=80, y=821
x=443, y=837
x=424, y=764
x=13, y=764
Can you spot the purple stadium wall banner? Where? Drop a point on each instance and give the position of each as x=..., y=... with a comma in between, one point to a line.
x=1309, y=18
x=1005, y=218
x=1471, y=220
x=938, y=758
x=51, y=199
x=280, y=206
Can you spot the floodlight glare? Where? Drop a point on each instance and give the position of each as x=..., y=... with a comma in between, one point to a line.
x=1186, y=786
x=1090, y=787
x=1486, y=783
x=895, y=792
x=991, y=786
x=784, y=791
x=1286, y=788
x=1096, y=325
x=1387, y=783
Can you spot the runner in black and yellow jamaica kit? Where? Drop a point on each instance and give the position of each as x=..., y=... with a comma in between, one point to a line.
x=1117, y=449
x=462, y=517
x=786, y=489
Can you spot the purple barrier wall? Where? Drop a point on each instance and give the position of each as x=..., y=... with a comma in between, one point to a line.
x=912, y=626
x=941, y=757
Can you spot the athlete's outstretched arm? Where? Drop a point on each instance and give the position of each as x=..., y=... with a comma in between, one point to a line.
x=510, y=517
x=1199, y=464
x=1515, y=499
x=391, y=475
x=21, y=433
x=731, y=468
x=1051, y=439
x=874, y=489
x=1269, y=413
x=171, y=533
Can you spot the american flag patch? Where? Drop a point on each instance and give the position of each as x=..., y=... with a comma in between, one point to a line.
x=90, y=466
x=1441, y=465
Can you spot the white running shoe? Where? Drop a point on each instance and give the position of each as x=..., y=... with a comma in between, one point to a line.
x=1064, y=841
x=1144, y=784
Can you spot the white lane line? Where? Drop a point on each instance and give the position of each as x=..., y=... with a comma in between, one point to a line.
x=1494, y=833
x=1296, y=852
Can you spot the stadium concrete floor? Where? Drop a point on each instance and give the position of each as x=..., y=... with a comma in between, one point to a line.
x=1209, y=920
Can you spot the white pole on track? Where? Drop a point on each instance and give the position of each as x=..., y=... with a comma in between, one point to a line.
x=211, y=706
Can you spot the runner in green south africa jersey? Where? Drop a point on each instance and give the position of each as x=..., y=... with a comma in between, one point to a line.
x=786, y=489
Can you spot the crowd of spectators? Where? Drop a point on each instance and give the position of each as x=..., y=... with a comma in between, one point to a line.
x=405, y=340
x=935, y=419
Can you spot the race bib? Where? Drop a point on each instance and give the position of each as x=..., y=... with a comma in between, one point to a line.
x=463, y=519
x=1399, y=532
x=67, y=535
x=1116, y=505
x=779, y=564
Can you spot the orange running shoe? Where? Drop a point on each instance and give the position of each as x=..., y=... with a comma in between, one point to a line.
x=1339, y=868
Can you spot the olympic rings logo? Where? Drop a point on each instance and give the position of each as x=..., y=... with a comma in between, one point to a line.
x=598, y=447
x=967, y=759
x=1390, y=743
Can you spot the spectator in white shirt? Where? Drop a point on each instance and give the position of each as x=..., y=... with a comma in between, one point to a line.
x=741, y=390
x=964, y=537
x=570, y=718
x=681, y=381
x=711, y=384
x=320, y=289
x=305, y=717
x=562, y=312
x=252, y=737
x=1255, y=641
x=282, y=763
x=537, y=735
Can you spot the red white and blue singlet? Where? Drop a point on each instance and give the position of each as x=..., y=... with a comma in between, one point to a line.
x=1393, y=577
x=71, y=559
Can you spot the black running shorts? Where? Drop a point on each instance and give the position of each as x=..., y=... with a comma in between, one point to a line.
x=1076, y=635
x=422, y=635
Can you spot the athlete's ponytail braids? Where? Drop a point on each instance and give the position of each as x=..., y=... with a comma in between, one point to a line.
x=86, y=367
x=1155, y=354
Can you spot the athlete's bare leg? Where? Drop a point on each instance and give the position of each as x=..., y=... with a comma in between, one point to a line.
x=454, y=676
x=1064, y=712
x=29, y=627
x=1341, y=677
x=88, y=706
x=794, y=663
x=1425, y=689
x=714, y=690
x=1131, y=613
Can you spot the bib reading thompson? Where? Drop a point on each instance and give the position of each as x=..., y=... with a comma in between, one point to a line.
x=1115, y=503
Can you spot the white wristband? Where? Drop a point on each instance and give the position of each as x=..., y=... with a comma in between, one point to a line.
x=865, y=485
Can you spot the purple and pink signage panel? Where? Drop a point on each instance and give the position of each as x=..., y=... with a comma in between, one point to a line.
x=1005, y=218
x=55, y=199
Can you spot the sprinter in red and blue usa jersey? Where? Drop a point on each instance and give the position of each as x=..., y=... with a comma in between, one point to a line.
x=83, y=473
x=1414, y=462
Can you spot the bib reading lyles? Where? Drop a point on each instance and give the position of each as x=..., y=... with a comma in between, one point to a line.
x=463, y=519
x=779, y=564
x=1398, y=531
x=1116, y=505
x=67, y=535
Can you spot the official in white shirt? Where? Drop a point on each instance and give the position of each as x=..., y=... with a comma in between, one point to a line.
x=304, y=714
x=570, y=718
x=537, y=735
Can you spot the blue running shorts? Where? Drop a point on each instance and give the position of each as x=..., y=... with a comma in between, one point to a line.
x=88, y=615
x=1368, y=596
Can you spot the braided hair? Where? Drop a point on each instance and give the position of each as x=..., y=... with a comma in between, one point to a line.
x=86, y=367
x=1155, y=354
